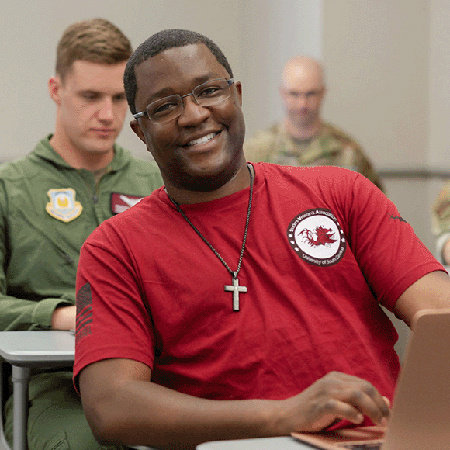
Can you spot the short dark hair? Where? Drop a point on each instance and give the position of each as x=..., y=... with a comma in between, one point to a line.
x=94, y=40
x=164, y=40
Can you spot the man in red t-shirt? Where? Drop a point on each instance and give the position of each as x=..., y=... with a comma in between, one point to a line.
x=239, y=300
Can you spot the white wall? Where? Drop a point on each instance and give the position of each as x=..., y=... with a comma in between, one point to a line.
x=439, y=84
x=376, y=54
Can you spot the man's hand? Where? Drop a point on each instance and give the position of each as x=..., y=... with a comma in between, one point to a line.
x=335, y=396
x=64, y=318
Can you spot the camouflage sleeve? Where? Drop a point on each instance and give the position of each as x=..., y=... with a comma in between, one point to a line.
x=441, y=211
x=258, y=148
x=353, y=156
x=364, y=166
x=441, y=220
x=442, y=248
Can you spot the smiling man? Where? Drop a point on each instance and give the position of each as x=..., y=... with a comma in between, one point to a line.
x=193, y=158
x=302, y=137
x=239, y=300
x=51, y=200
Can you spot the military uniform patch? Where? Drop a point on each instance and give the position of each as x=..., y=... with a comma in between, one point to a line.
x=62, y=205
x=122, y=202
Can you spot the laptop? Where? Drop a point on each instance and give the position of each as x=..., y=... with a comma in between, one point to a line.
x=420, y=416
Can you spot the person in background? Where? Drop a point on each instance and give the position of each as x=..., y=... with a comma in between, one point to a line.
x=239, y=300
x=441, y=224
x=302, y=138
x=52, y=199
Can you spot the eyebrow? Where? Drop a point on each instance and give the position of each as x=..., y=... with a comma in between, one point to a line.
x=166, y=91
x=99, y=92
x=298, y=91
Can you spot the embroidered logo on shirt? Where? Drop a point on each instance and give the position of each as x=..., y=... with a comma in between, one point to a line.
x=84, y=311
x=121, y=202
x=317, y=237
x=62, y=205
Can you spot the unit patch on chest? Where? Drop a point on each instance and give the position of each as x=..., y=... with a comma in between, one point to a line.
x=317, y=237
x=122, y=202
x=62, y=204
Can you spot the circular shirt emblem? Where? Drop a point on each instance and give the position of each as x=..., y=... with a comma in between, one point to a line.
x=317, y=237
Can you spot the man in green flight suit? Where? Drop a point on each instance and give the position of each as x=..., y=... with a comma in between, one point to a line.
x=51, y=200
x=302, y=138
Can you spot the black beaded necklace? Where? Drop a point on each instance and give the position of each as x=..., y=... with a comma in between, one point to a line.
x=235, y=288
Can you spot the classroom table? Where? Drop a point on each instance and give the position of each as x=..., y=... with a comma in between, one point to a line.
x=276, y=443
x=27, y=351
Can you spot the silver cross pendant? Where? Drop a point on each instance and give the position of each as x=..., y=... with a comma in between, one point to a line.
x=235, y=289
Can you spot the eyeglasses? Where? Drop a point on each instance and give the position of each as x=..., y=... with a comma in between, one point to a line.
x=169, y=108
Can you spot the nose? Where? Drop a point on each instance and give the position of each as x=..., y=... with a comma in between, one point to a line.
x=302, y=100
x=192, y=113
x=105, y=112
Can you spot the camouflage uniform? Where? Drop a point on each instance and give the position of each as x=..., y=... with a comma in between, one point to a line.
x=329, y=147
x=441, y=219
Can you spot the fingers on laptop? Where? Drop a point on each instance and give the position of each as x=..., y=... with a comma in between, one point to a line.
x=338, y=396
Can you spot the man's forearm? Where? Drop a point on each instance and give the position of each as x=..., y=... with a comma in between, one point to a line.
x=64, y=318
x=144, y=413
x=123, y=405
x=21, y=314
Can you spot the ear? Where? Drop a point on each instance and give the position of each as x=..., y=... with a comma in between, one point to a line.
x=134, y=124
x=238, y=86
x=54, y=87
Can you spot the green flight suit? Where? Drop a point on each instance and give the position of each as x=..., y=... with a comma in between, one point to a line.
x=47, y=210
x=329, y=147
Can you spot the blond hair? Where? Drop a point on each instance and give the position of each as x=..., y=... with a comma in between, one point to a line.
x=94, y=40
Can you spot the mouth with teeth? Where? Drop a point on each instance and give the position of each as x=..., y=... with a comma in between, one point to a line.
x=202, y=140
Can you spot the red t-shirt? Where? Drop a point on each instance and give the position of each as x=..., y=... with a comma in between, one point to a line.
x=325, y=247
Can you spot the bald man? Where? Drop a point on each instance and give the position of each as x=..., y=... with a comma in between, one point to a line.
x=302, y=138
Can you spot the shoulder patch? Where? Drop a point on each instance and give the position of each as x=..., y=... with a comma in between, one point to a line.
x=122, y=202
x=62, y=204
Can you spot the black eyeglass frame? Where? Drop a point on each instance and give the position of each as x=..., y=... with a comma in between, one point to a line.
x=145, y=113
